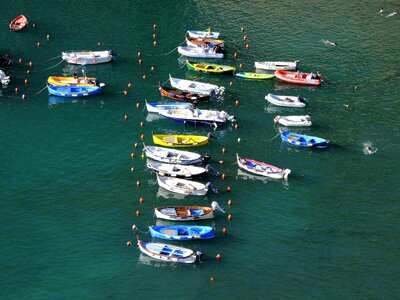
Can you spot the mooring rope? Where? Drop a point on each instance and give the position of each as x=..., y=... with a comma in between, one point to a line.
x=40, y=91
x=49, y=67
x=50, y=59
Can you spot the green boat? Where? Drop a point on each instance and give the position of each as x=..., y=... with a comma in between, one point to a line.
x=250, y=75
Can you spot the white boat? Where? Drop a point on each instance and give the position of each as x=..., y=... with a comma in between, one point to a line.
x=169, y=253
x=82, y=57
x=4, y=79
x=277, y=65
x=203, y=34
x=286, y=101
x=156, y=107
x=293, y=120
x=183, y=186
x=173, y=156
x=187, y=213
x=177, y=170
x=200, y=52
x=196, y=86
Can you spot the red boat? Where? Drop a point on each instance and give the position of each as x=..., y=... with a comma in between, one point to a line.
x=299, y=77
x=18, y=23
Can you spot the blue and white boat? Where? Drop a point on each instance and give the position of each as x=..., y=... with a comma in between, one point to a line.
x=169, y=253
x=73, y=91
x=156, y=107
x=302, y=140
x=182, y=232
x=197, y=117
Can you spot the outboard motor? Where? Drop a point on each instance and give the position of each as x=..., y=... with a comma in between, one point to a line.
x=301, y=99
x=206, y=158
x=215, y=206
x=213, y=188
x=199, y=255
x=209, y=169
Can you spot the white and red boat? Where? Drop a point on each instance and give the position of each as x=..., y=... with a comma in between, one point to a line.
x=18, y=23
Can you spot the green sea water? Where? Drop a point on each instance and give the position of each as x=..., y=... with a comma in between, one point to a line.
x=69, y=198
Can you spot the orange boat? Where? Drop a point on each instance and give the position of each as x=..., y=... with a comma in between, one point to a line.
x=203, y=42
x=299, y=77
x=18, y=23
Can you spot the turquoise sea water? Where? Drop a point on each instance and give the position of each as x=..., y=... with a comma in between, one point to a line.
x=68, y=197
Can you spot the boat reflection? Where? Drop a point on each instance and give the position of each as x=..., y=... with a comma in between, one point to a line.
x=147, y=260
x=247, y=176
x=163, y=193
x=153, y=117
x=280, y=86
x=53, y=101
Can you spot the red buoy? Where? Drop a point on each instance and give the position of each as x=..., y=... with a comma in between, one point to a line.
x=237, y=103
x=16, y=90
x=244, y=37
x=142, y=124
x=155, y=26
x=152, y=68
x=139, y=54
x=132, y=155
x=221, y=162
x=141, y=200
x=137, y=105
x=138, y=213
x=218, y=256
x=20, y=60
x=236, y=126
x=126, y=117
x=30, y=64
x=38, y=44
x=125, y=93
x=129, y=85
x=231, y=83
x=142, y=136
x=128, y=243
x=212, y=279
x=26, y=81
x=144, y=76
x=223, y=150
x=228, y=189
x=224, y=230
x=230, y=217
x=154, y=36
x=229, y=202
x=247, y=46
x=155, y=43
x=140, y=61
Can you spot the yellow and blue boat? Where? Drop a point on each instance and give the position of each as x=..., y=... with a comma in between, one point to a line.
x=210, y=68
x=251, y=75
x=72, y=81
x=180, y=140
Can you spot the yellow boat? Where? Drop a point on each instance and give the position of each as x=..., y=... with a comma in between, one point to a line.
x=250, y=75
x=180, y=140
x=209, y=68
x=70, y=80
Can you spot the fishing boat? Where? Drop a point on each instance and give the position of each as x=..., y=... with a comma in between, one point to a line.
x=173, y=156
x=180, y=140
x=184, y=186
x=303, y=140
x=203, y=34
x=180, y=95
x=156, y=107
x=72, y=81
x=251, y=75
x=313, y=79
x=210, y=68
x=182, y=232
x=200, y=52
x=74, y=91
x=293, y=120
x=198, y=117
x=177, y=170
x=203, y=42
x=196, y=86
x=169, y=253
x=4, y=79
x=287, y=101
x=276, y=65
x=87, y=57
x=261, y=168
x=187, y=213
x=18, y=23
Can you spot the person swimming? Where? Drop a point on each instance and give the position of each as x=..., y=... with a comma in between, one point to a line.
x=368, y=149
x=381, y=10
x=330, y=43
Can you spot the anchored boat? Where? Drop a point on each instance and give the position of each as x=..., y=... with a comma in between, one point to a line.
x=180, y=140
x=182, y=232
x=303, y=140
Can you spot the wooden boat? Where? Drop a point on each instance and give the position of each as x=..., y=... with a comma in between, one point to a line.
x=156, y=107
x=260, y=168
x=72, y=81
x=277, y=65
x=198, y=117
x=286, y=101
x=293, y=120
x=200, y=52
x=187, y=213
x=169, y=253
x=73, y=91
x=184, y=186
x=18, y=23
x=251, y=75
x=182, y=232
x=203, y=42
x=180, y=95
x=4, y=79
x=84, y=57
x=180, y=140
x=196, y=86
x=314, y=79
x=173, y=156
x=303, y=140
x=210, y=68
x=176, y=170
x=203, y=34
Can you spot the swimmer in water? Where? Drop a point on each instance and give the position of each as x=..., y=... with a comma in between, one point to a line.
x=369, y=150
x=381, y=10
x=330, y=43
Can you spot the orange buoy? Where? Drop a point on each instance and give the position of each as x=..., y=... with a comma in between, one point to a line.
x=141, y=200
x=138, y=213
x=139, y=54
x=129, y=85
x=223, y=176
x=221, y=162
x=212, y=279
x=125, y=93
x=241, y=66
x=144, y=76
x=132, y=155
x=228, y=189
x=237, y=103
x=26, y=81
x=16, y=90
x=236, y=126
x=235, y=55
x=155, y=43
x=152, y=68
x=224, y=230
x=38, y=44
x=137, y=105
x=142, y=136
x=247, y=46
x=231, y=83
x=230, y=217
x=142, y=124
x=136, y=145
x=132, y=169
x=128, y=243
x=229, y=202
x=138, y=183
x=126, y=117
x=140, y=61
x=223, y=150
x=244, y=37
x=154, y=36
x=218, y=256
x=30, y=64
x=155, y=26
x=20, y=60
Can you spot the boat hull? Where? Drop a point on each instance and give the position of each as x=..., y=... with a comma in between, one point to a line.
x=168, y=253
x=254, y=76
x=262, y=169
x=178, y=140
x=182, y=232
x=203, y=34
x=276, y=65
x=210, y=68
x=175, y=156
x=71, y=81
x=184, y=213
x=199, y=52
x=180, y=95
x=301, y=140
x=293, y=121
x=299, y=78
x=196, y=86
x=73, y=91
x=18, y=23
x=182, y=186
x=87, y=57
x=156, y=107
x=286, y=101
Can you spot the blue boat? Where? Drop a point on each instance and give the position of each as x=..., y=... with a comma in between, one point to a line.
x=73, y=91
x=302, y=140
x=182, y=232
